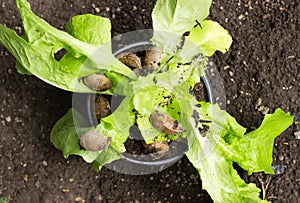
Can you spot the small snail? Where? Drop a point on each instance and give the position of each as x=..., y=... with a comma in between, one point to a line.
x=152, y=58
x=166, y=124
x=97, y=82
x=157, y=147
x=130, y=59
x=102, y=107
x=94, y=141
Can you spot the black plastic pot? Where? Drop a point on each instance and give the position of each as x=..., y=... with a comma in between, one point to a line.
x=135, y=164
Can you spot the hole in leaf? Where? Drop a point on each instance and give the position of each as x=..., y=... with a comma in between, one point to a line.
x=60, y=54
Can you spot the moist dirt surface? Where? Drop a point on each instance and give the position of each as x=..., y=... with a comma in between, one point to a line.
x=260, y=72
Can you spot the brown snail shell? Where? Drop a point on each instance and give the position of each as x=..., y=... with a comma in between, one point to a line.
x=157, y=147
x=152, y=58
x=94, y=141
x=130, y=59
x=166, y=124
x=97, y=82
x=102, y=107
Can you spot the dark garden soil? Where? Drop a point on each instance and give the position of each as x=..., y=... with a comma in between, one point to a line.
x=261, y=72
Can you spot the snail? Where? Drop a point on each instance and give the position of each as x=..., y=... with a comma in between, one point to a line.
x=94, y=141
x=157, y=147
x=152, y=58
x=97, y=82
x=102, y=107
x=166, y=124
x=130, y=59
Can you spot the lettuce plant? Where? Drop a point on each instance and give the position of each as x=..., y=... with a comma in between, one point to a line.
x=88, y=51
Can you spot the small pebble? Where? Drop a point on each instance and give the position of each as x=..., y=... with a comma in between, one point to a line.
x=297, y=135
x=25, y=177
x=241, y=17
x=44, y=163
x=79, y=199
x=8, y=119
x=99, y=198
x=258, y=103
x=37, y=184
x=65, y=190
x=226, y=67
x=281, y=158
x=264, y=110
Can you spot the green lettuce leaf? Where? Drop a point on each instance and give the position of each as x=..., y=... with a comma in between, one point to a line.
x=221, y=122
x=90, y=28
x=218, y=176
x=172, y=18
x=179, y=16
x=35, y=62
x=207, y=39
x=254, y=150
x=94, y=30
x=35, y=52
x=213, y=153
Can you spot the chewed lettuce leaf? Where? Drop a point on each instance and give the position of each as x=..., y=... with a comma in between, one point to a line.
x=254, y=150
x=172, y=18
x=35, y=52
x=207, y=37
x=213, y=153
x=221, y=122
x=218, y=176
x=179, y=16
x=90, y=28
